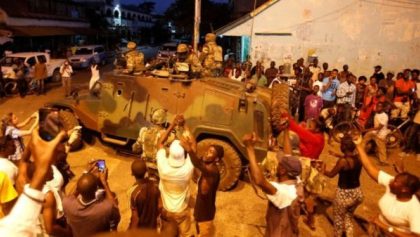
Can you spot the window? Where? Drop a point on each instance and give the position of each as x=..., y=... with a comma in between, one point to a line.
x=31, y=61
x=109, y=13
x=83, y=51
x=41, y=58
x=116, y=14
x=123, y=15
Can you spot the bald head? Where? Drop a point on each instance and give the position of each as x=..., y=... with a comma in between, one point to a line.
x=87, y=186
x=138, y=169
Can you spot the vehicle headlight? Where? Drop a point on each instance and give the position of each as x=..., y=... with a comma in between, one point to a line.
x=83, y=60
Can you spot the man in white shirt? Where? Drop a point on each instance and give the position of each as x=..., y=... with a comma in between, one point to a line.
x=346, y=98
x=399, y=206
x=404, y=215
x=315, y=70
x=378, y=133
x=175, y=172
x=284, y=194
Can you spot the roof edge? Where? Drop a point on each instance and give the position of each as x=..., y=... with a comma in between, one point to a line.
x=245, y=17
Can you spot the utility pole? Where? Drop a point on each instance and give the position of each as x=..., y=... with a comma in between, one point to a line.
x=197, y=21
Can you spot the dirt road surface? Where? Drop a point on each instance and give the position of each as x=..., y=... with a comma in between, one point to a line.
x=239, y=212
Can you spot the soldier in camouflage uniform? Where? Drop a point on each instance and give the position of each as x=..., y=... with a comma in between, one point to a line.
x=184, y=56
x=211, y=56
x=134, y=59
x=148, y=141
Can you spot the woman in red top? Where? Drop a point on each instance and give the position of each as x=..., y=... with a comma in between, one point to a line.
x=311, y=137
x=370, y=91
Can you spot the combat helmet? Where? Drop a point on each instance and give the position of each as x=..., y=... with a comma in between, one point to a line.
x=158, y=117
x=210, y=37
x=182, y=48
x=131, y=45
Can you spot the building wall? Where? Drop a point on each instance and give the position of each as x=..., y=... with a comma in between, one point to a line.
x=358, y=33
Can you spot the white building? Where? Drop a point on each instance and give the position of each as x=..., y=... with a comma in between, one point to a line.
x=360, y=33
x=121, y=17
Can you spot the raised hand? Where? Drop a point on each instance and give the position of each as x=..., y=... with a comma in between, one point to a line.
x=249, y=139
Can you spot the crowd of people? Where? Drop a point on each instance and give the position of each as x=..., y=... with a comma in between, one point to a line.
x=337, y=96
x=33, y=178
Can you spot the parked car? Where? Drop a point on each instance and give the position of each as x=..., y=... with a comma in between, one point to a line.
x=148, y=51
x=167, y=50
x=30, y=59
x=85, y=55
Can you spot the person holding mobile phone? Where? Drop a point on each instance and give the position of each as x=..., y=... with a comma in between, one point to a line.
x=86, y=213
x=66, y=71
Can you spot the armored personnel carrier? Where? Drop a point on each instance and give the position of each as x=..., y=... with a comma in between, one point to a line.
x=217, y=111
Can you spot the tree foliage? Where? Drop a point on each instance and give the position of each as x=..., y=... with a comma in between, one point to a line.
x=213, y=16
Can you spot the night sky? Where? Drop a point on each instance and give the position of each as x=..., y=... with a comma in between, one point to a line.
x=161, y=5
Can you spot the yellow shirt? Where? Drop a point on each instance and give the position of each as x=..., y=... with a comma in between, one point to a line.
x=7, y=191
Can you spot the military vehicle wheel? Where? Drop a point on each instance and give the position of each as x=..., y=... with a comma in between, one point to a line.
x=70, y=122
x=231, y=165
x=279, y=101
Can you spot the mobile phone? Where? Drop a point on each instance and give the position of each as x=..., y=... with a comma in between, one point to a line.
x=101, y=165
x=49, y=123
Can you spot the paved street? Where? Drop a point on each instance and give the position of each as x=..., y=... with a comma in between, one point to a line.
x=239, y=212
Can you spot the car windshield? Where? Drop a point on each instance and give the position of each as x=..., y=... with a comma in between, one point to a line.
x=9, y=61
x=168, y=48
x=83, y=51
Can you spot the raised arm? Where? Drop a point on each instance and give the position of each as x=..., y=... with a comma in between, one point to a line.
x=326, y=86
x=334, y=171
x=287, y=147
x=304, y=134
x=256, y=173
x=168, y=131
x=188, y=144
x=370, y=168
x=26, y=121
x=103, y=177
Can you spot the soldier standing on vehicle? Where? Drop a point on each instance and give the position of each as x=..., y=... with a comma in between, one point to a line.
x=184, y=56
x=40, y=74
x=211, y=56
x=134, y=58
